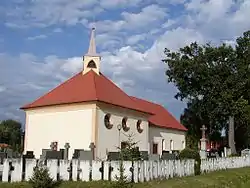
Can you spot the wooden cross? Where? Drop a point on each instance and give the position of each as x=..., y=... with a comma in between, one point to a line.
x=203, y=129
x=67, y=146
x=66, y=153
x=92, y=147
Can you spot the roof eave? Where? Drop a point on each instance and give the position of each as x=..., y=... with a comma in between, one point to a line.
x=29, y=106
x=164, y=127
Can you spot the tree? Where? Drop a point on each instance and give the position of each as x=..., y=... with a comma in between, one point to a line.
x=214, y=80
x=11, y=133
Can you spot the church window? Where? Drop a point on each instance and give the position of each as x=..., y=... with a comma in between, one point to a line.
x=125, y=127
x=107, y=122
x=91, y=64
x=155, y=148
x=138, y=126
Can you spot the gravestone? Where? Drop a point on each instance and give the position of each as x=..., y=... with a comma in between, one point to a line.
x=245, y=152
x=113, y=156
x=168, y=156
x=54, y=154
x=44, y=151
x=154, y=157
x=29, y=155
x=76, y=153
x=86, y=155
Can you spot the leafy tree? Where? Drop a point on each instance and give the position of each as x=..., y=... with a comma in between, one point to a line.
x=11, y=133
x=214, y=80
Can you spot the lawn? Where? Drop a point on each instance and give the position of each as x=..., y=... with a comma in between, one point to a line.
x=236, y=178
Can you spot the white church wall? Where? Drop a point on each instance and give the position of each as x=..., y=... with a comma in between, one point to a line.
x=167, y=139
x=108, y=139
x=68, y=123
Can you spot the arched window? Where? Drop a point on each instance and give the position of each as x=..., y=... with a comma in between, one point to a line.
x=125, y=127
x=91, y=64
x=138, y=126
x=107, y=123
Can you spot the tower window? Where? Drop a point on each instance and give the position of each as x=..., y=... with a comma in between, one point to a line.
x=91, y=64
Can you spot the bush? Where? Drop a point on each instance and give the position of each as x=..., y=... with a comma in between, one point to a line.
x=189, y=153
x=41, y=178
x=122, y=181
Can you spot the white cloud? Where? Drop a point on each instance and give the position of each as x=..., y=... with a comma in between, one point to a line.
x=57, y=30
x=37, y=37
x=168, y=23
x=2, y=88
x=134, y=71
x=135, y=38
x=150, y=15
x=49, y=12
x=139, y=72
x=119, y=3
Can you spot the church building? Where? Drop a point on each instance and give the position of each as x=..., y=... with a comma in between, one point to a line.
x=90, y=108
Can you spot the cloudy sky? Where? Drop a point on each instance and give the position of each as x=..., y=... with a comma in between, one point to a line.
x=42, y=43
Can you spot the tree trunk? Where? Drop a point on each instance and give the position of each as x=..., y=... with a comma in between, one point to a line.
x=231, y=141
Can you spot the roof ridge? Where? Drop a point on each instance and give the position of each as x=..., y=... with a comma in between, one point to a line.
x=121, y=90
x=148, y=101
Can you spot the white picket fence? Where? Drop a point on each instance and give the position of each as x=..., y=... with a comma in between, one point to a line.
x=214, y=164
x=85, y=171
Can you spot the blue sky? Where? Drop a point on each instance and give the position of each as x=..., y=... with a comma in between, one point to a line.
x=42, y=43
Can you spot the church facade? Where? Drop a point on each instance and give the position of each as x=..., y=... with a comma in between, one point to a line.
x=90, y=108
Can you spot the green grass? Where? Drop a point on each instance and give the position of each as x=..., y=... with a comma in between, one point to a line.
x=236, y=178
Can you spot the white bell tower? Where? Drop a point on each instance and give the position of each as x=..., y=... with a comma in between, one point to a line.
x=91, y=61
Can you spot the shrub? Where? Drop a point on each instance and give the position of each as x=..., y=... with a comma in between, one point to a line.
x=41, y=178
x=189, y=153
x=122, y=181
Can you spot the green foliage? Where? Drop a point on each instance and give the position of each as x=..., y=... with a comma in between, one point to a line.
x=189, y=153
x=41, y=178
x=10, y=133
x=122, y=181
x=215, y=82
x=130, y=152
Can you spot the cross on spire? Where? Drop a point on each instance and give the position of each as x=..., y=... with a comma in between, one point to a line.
x=92, y=45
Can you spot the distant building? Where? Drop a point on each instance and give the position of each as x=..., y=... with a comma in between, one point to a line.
x=90, y=108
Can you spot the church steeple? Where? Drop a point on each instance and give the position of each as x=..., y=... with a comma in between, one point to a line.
x=92, y=46
x=91, y=61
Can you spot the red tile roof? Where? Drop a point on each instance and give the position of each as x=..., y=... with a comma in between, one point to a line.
x=161, y=118
x=86, y=88
x=94, y=87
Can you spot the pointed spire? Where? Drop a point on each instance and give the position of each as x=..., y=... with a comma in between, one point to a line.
x=92, y=46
